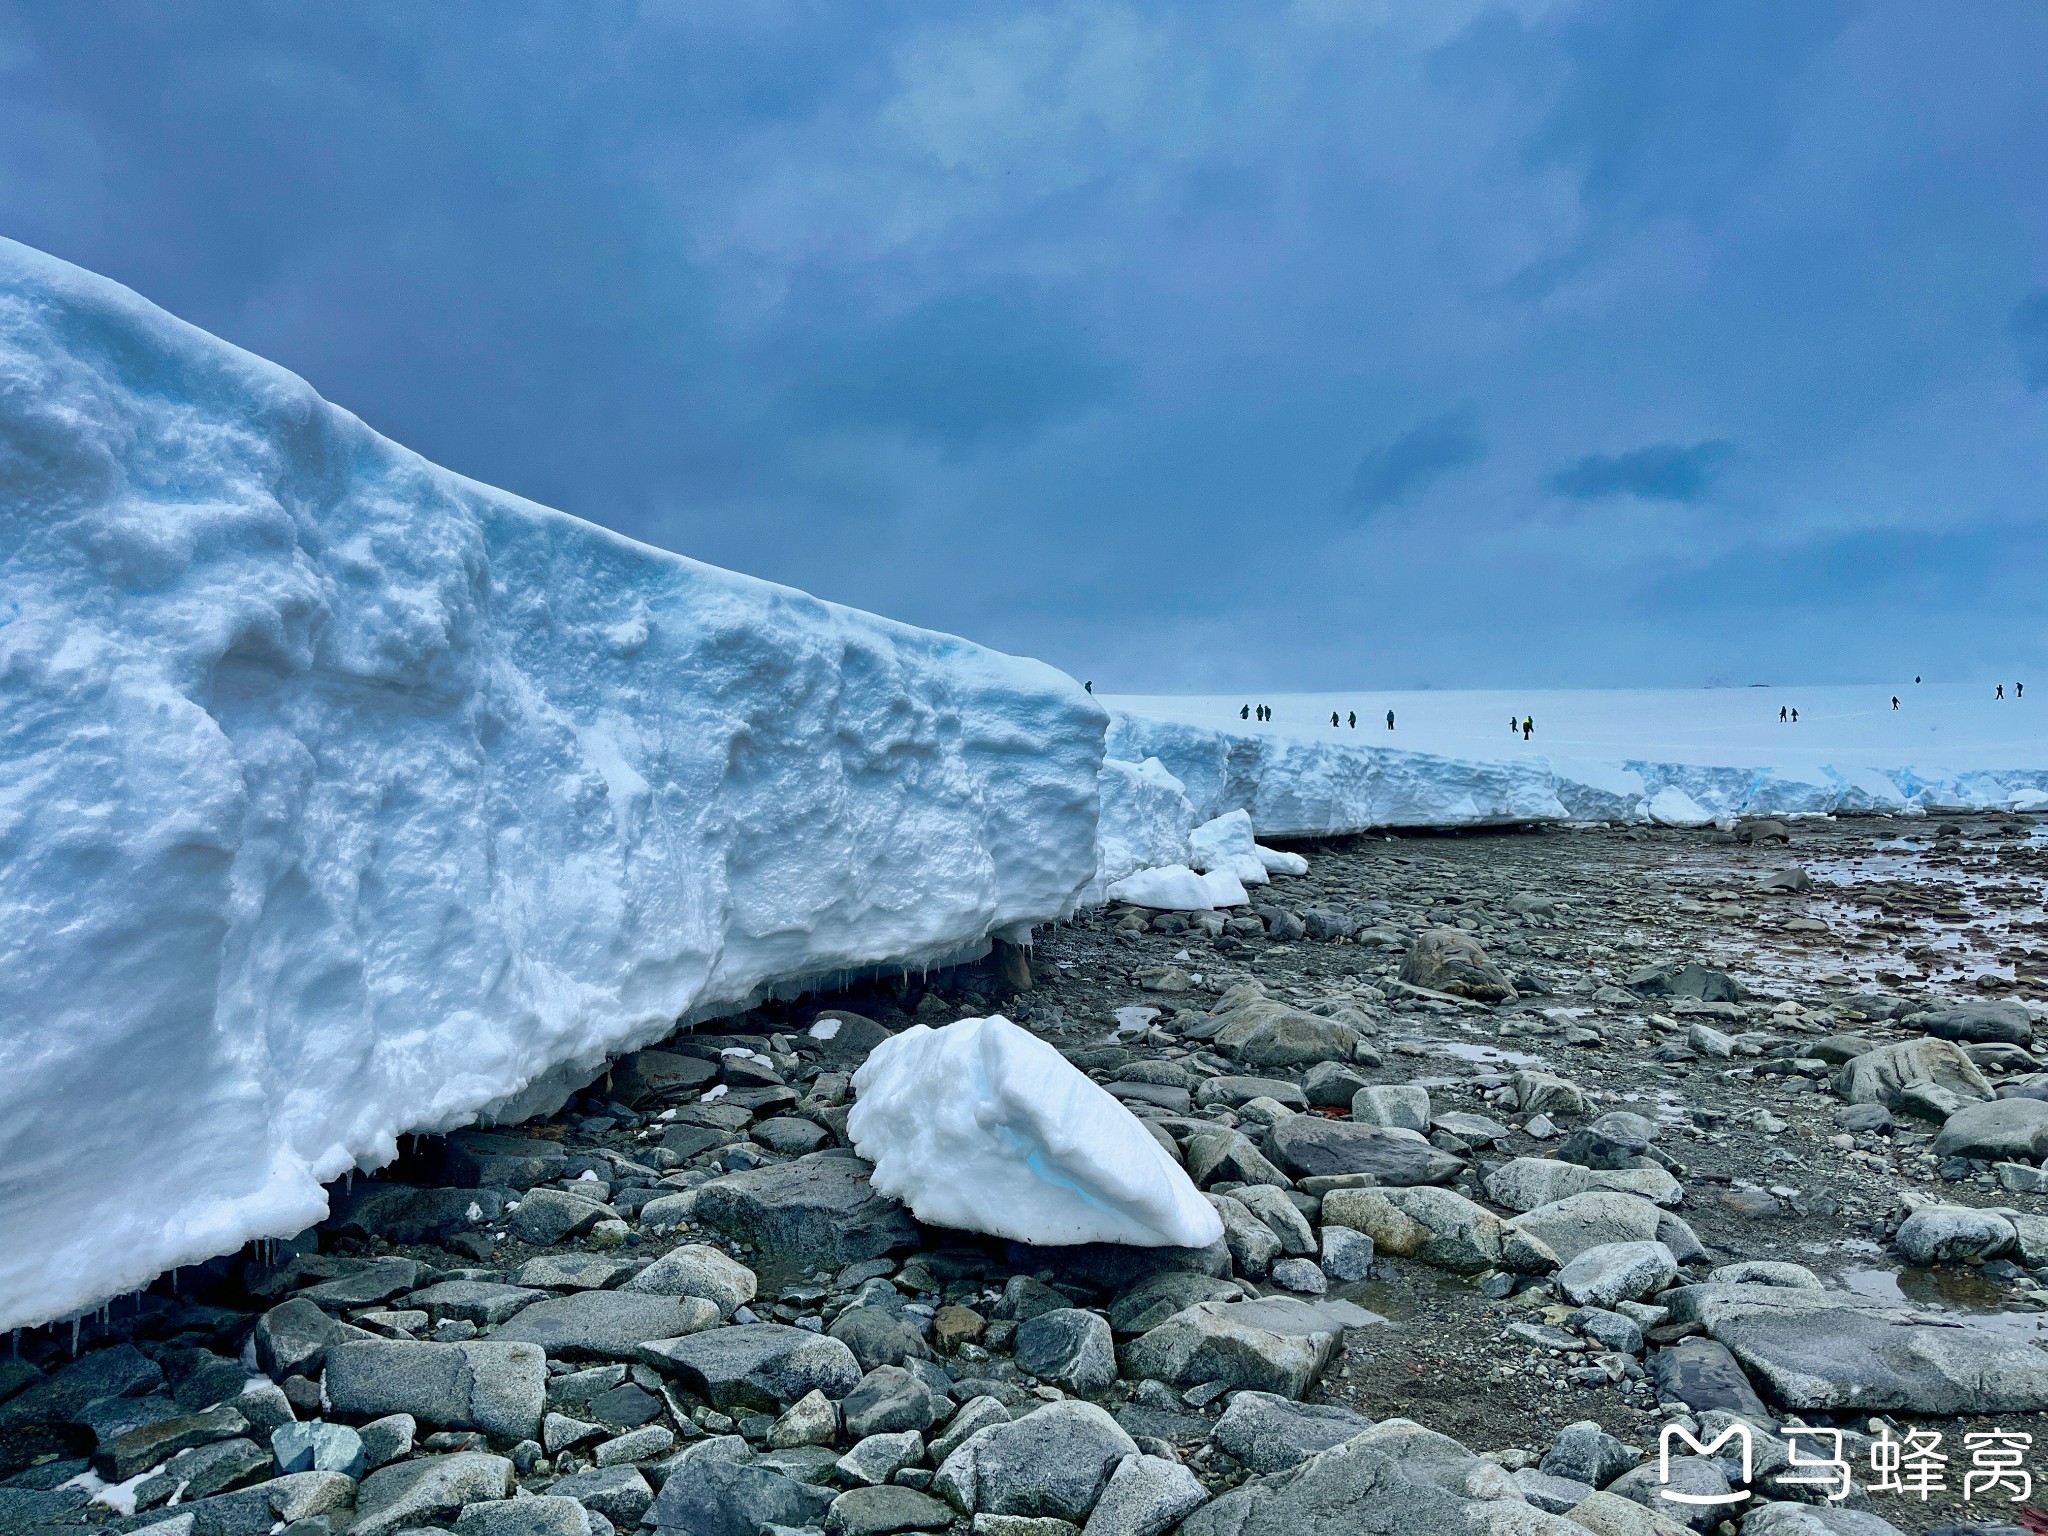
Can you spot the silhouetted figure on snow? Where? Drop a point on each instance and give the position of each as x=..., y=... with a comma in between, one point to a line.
x=1390, y=719
x=1795, y=717
x=1354, y=719
x=2001, y=692
x=1245, y=713
x=1895, y=701
x=1528, y=725
x=1333, y=719
x=1781, y=714
x=1089, y=686
x=2019, y=690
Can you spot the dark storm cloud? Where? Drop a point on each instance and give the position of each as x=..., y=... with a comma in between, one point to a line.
x=1057, y=324
x=1425, y=453
x=1659, y=472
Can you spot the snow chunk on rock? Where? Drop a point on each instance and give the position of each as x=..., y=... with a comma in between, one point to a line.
x=983, y=1127
x=1225, y=845
x=1278, y=862
x=1143, y=823
x=1177, y=888
x=1673, y=807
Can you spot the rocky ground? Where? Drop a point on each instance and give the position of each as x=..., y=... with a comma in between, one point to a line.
x=1527, y=1145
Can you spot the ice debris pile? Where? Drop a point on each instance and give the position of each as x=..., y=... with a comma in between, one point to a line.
x=347, y=797
x=984, y=1127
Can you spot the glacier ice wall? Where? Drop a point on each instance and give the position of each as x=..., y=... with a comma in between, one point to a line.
x=1296, y=788
x=342, y=797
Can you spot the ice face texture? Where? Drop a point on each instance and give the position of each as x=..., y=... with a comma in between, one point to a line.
x=1144, y=822
x=342, y=797
x=983, y=1127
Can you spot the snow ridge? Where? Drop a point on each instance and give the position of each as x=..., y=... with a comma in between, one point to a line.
x=343, y=797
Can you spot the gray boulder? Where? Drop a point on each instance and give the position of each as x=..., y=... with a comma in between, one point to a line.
x=1615, y=1272
x=1814, y=1520
x=2002, y=1130
x=1586, y=1453
x=714, y=1489
x=545, y=1515
x=1828, y=1351
x=1069, y=1348
x=819, y=1212
x=891, y=1400
x=1266, y=1034
x=620, y=1494
x=1698, y=1477
x=428, y=1490
x=883, y=1510
x=1346, y=1255
x=763, y=1366
x=1395, y=1479
x=698, y=1269
x=1055, y=1461
x=547, y=1216
x=2003, y=1022
x=291, y=1339
x=1308, y=1145
x=1450, y=960
x=1397, y=1106
x=1929, y=1078
x=1154, y=1299
x=1938, y=1234
x=1281, y=1215
x=1437, y=1226
x=607, y=1325
x=1570, y=1226
x=1703, y=1375
x=1144, y=1496
x=1269, y=1433
x=1276, y=1344
x=487, y=1384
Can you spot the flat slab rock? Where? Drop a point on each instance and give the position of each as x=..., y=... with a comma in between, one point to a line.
x=1824, y=1350
x=1309, y=1145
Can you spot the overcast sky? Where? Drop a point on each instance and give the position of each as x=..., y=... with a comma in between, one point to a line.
x=1188, y=346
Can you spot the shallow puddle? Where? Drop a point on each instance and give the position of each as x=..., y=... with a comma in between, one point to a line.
x=1969, y=1296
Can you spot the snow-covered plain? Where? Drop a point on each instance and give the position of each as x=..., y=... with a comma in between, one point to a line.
x=342, y=797
x=1594, y=754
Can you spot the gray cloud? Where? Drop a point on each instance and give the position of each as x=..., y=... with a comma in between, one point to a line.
x=1026, y=321
x=1658, y=472
x=1424, y=454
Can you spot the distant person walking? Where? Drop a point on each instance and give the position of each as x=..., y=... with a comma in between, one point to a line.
x=1335, y=720
x=1895, y=701
x=1528, y=725
x=1514, y=725
x=2001, y=692
x=2019, y=690
x=1795, y=717
x=1354, y=719
x=1390, y=719
x=1781, y=714
x=1089, y=686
